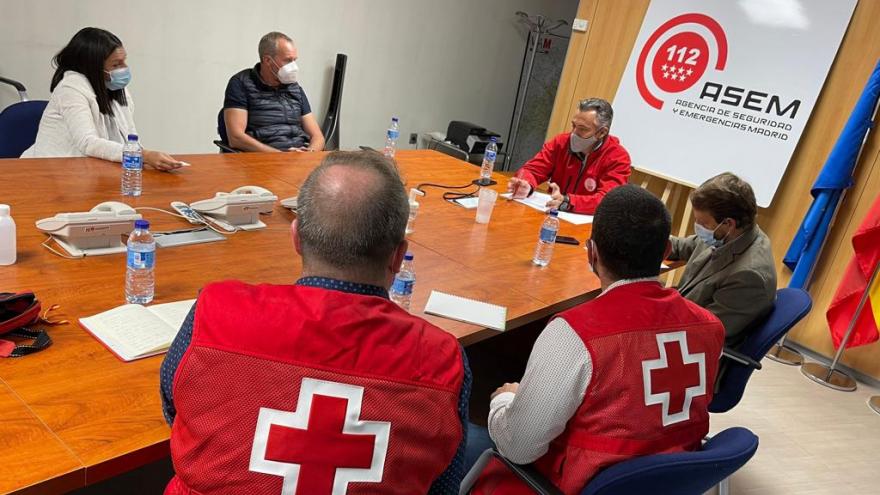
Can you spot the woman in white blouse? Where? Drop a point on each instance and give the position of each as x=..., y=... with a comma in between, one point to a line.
x=90, y=111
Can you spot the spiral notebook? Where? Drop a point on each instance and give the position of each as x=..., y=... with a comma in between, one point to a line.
x=467, y=310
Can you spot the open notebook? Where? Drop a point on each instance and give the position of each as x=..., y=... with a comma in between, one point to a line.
x=133, y=331
x=467, y=310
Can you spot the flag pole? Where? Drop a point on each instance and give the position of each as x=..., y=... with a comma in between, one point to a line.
x=785, y=354
x=830, y=376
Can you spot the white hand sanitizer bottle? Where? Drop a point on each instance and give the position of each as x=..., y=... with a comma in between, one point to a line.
x=413, y=210
x=7, y=237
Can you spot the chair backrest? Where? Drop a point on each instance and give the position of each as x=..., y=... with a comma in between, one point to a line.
x=790, y=307
x=683, y=473
x=330, y=127
x=221, y=127
x=19, y=123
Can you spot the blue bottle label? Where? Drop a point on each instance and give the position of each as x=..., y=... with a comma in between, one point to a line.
x=490, y=156
x=132, y=161
x=548, y=235
x=140, y=260
x=392, y=134
x=403, y=287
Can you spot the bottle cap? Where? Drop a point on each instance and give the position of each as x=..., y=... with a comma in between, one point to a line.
x=394, y=119
x=553, y=213
x=408, y=256
x=141, y=224
x=412, y=195
x=493, y=139
x=132, y=137
x=4, y=210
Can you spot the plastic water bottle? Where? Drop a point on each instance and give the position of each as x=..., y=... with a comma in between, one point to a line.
x=413, y=209
x=140, y=280
x=544, y=249
x=404, y=282
x=489, y=161
x=132, y=167
x=7, y=237
x=391, y=138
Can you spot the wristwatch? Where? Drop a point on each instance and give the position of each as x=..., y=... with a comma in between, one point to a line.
x=566, y=204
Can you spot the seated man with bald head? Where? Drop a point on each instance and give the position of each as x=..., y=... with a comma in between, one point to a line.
x=324, y=386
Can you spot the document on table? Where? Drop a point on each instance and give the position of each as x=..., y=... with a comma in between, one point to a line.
x=467, y=310
x=538, y=200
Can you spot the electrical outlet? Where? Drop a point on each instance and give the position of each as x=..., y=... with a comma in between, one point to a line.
x=413, y=138
x=579, y=25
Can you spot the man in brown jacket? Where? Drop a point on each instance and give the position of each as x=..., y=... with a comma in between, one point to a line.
x=730, y=269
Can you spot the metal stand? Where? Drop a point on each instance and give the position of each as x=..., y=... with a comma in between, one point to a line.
x=484, y=182
x=784, y=354
x=829, y=375
x=537, y=26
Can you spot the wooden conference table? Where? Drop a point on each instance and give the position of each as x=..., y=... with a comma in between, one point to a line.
x=73, y=414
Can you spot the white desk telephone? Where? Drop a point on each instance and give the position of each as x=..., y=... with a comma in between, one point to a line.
x=97, y=231
x=241, y=207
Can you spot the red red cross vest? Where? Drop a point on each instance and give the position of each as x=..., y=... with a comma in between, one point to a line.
x=655, y=356
x=306, y=391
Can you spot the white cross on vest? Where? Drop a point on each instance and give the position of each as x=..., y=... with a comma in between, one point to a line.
x=322, y=446
x=675, y=378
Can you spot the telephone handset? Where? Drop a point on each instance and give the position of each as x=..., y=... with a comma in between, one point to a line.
x=97, y=231
x=241, y=207
x=259, y=191
x=110, y=212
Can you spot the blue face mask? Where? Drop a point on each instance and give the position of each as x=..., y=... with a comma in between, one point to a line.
x=707, y=236
x=119, y=78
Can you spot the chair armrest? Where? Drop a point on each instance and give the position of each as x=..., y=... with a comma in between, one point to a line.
x=225, y=147
x=526, y=473
x=740, y=358
x=22, y=92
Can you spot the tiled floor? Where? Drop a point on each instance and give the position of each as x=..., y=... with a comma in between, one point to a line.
x=813, y=440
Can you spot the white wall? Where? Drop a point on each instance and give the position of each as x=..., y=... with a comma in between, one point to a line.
x=426, y=61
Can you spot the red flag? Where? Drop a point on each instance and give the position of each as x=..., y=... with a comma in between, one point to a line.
x=866, y=244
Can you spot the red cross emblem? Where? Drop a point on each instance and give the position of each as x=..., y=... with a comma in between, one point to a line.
x=675, y=379
x=322, y=446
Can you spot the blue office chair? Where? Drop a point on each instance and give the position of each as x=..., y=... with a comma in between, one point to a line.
x=681, y=473
x=19, y=122
x=737, y=365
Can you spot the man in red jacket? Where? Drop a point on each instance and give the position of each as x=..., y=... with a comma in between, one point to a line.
x=582, y=165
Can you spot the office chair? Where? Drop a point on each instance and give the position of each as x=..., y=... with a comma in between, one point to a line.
x=737, y=366
x=680, y=473
x=330, y=127
x=19, y=122
x=223, y=142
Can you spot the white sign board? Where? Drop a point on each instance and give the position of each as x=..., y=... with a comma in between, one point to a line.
x=726, y=85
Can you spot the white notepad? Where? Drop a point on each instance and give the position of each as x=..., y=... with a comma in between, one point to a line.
x=467, y=310
x=538, y=200
x=133, y=331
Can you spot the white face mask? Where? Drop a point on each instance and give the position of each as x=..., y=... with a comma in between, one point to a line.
x=581, y=145
x=288, y=73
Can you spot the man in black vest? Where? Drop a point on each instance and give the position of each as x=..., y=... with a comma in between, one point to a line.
x=265, y=107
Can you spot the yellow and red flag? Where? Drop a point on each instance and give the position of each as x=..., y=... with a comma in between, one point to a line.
x=866, y=244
